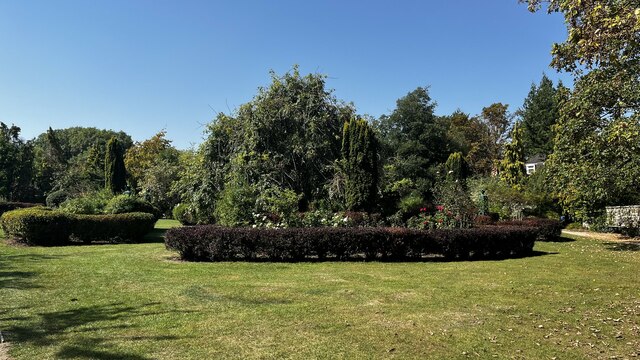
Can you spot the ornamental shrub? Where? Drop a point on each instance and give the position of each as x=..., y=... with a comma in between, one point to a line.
x=129, y=227
x=89, y=204
x=36, y=226
x=8, y=206
x=548, y=229
x=46, y=227
x=182, y=213
x=215, y=243
x=55, y=198
x=122, y=204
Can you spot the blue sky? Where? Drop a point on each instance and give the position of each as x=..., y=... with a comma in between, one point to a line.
x=144, y=65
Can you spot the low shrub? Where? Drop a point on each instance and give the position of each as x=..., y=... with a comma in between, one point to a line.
x=215, y=243
x=122, y=204
x=36, y=226
x=42, y=226
x=88, y=204
x=55, y=198
x=181, y=213
x=128, y=227
x=548, y=229
x=8, y=206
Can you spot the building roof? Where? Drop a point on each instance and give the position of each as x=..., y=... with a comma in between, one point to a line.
x=538, y=158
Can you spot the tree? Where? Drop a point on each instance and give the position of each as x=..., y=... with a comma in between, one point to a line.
x=16, y=164
x=596, y=157
x=115, y=173
x=456, y=167
x=512, y=170
x=360, y=155
x=538, y=115
x=496, y=119
x=415, y=141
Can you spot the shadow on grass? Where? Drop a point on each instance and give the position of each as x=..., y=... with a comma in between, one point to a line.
x=11, y=278
x=560, y=239
x=77, y=327
x=623, y=246
x=424, y=259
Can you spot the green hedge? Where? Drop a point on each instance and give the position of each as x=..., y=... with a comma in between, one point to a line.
x=8, y=206
x=42, y=226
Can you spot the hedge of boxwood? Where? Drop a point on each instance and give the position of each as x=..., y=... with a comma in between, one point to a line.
x=46, y=227
x=214, y=243
x=8, y=206
x=548, y=229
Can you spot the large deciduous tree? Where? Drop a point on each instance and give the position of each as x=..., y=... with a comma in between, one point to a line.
x=16, y=165
x=596, y=158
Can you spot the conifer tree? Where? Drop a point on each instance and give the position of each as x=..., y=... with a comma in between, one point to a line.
x=115, y=172
x=360, y=157
x=512, y=170
x=456, y=167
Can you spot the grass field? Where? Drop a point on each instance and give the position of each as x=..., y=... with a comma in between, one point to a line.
x=574, y=299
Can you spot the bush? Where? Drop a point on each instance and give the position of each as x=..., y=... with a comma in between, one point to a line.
x=127, y=227
x=122, y=204
x=548, y=229
x=8, y=206
x=89, y=204
x=55, y=198
x=214, y=243
x=41, y=226
x=36, y=226
x=181, y=213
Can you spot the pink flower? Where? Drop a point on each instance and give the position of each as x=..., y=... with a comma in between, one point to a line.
x=440, y=207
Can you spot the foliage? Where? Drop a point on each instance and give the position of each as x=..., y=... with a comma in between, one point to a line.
x=511, y=169
x=16, y=165
x=121, y=204
x=503, y=199
x=55, y=198
x=153, y=166
x=45, y=227
x=455, y=208
x=596, y=155
x=36, y=226
x=276, y=207
x=548, y=229
x=471, y=136
x=72, y=159
x=115, y=172
x=456, y=167
x=360, y=155
x=8, y=206
x=236, y=204
x=414, y=141
x=183, y=215
x=538, y=115
x=214, y=243
x=90, y=203
x=127, y=227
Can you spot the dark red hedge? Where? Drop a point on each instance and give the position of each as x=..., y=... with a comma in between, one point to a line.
x=215, y=243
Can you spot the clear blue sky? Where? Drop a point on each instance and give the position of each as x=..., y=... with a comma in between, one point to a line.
x=144, y=65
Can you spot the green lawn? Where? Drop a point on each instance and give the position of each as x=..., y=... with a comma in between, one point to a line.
x=575, y=299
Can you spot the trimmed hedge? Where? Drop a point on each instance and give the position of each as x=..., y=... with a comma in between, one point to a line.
x=36, y=226
x=127, y=227
x=548, y=229
x=42, y=226
x=214, y=243
x=8, y=206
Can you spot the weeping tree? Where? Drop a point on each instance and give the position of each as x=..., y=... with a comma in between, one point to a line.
x=114, y=170
x=360, y=157
x=456, y=167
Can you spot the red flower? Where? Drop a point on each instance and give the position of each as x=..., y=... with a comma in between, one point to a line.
x=440, y=207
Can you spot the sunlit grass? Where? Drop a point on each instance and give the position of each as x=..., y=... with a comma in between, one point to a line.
x=575, y=299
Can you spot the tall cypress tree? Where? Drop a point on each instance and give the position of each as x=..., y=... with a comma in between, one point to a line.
x=360, y=156
x=114, y=170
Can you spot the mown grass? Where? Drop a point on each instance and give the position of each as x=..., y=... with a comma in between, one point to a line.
x=575, y=299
